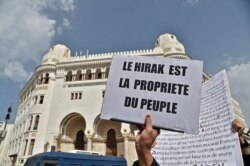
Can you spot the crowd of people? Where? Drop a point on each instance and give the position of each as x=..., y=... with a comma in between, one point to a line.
x=146, y=139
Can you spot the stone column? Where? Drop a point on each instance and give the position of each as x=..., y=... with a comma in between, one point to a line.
x=103, y=75
x=125, y=136
x=89, y=143
x=125, y=130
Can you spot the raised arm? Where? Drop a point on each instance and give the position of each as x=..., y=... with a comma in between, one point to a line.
x=144, y=141
x=239, y=127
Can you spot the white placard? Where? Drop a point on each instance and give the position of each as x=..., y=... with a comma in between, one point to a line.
x=169, y=89
x=215, y=145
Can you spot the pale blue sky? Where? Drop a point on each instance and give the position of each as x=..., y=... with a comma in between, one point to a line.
x=215, y=31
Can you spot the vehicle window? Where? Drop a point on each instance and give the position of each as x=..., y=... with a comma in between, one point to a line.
x=49, y=162
x=30, y=161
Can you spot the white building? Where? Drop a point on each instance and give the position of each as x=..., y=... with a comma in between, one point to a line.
x=60, y=105
x=5, y=136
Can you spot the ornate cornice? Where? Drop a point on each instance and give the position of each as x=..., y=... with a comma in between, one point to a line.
x=83, y=64
x=47, y=67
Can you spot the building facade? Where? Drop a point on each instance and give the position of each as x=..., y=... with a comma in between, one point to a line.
x=5, y=136
x=60, y=105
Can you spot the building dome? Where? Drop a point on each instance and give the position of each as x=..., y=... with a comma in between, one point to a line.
x=55, y=54
x=169, y=45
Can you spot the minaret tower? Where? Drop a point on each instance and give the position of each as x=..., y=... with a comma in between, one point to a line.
x=170, y=46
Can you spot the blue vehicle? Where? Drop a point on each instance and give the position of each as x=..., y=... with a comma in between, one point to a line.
x=73, y=159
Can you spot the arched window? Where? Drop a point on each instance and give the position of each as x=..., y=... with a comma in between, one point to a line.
x=107, y=72
x=79, y=142
x=31, y=119
x=88, y=75
x=78, y=75
x=98, y=73
x=69, y=76
x=32, y=143
x=35, y=99
x=46, y=81
x=25, y=147
x=36, y=123
x=40, y=79
x=111, y=146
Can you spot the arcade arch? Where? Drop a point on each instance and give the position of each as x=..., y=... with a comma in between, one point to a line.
x=110, y=133
x=72, y=129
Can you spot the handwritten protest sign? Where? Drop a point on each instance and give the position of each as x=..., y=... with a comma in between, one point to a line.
x=215, y=145
x=169, y=89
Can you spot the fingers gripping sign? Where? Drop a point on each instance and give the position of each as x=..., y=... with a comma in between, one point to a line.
x=147, y=135
x=237, y=126
x=145, y=140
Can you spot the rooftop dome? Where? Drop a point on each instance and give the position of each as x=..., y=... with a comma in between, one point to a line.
x=169, y=44
x=55, y=54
